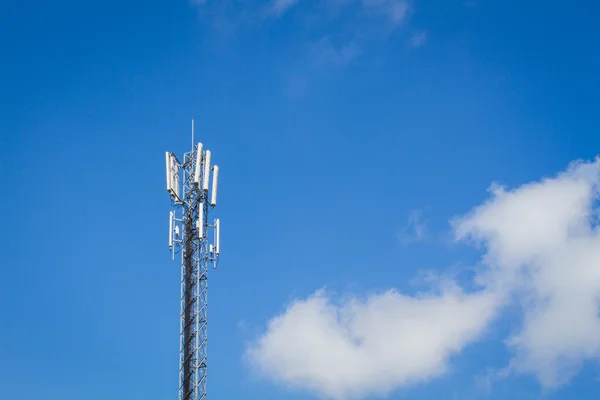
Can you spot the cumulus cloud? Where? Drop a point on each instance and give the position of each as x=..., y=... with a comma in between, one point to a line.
x=359, y=348
x=540, y=248
x=543, y=244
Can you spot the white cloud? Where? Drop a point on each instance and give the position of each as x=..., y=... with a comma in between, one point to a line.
x=359, y=348
x=541, y=248
x=543, y=245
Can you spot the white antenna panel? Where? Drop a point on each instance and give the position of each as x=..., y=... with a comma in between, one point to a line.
x=169, y=178
x=198, y=164
x=175, y=179
x=200, y=223
x=213, y=198
x=206, y=170
x=177, y=231
x=172, y=175
x=217, y=235
x=171, y=230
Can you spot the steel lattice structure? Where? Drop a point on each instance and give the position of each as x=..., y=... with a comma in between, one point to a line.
x=189, y=234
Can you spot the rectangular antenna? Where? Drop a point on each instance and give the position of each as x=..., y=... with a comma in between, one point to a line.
x=213, y=198
x=206, y=171
x=217, y=235
x=169, y=172
x=171, y=230
x=198, y=164
x=200, y=222
x=174, y=178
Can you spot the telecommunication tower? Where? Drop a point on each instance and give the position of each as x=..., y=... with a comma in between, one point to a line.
x=193, y=196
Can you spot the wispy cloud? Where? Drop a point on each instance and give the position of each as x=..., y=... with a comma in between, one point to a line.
x=279, y=7
x=325, y=53
x=415, y=229
x=419, y=39
x=541, y=244
x=372, y=20
x=395, y=10
x=485, y=380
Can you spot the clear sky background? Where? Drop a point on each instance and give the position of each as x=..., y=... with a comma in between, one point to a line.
x=348, y=134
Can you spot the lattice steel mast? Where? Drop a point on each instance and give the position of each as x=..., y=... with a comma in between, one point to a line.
x=190, y=233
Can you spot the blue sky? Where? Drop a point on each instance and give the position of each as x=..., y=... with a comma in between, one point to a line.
x=335, y=123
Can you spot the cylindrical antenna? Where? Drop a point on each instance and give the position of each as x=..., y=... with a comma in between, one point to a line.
x=217, y=235
x=198, y=164
x=213, y=198
x=200, y=222
x=206, y=170
x=169, y=179
x=170, y=229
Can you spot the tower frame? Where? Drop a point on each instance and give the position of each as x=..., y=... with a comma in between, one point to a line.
x=192, y=209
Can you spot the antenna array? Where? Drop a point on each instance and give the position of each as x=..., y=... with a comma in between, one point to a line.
x=190, y=232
